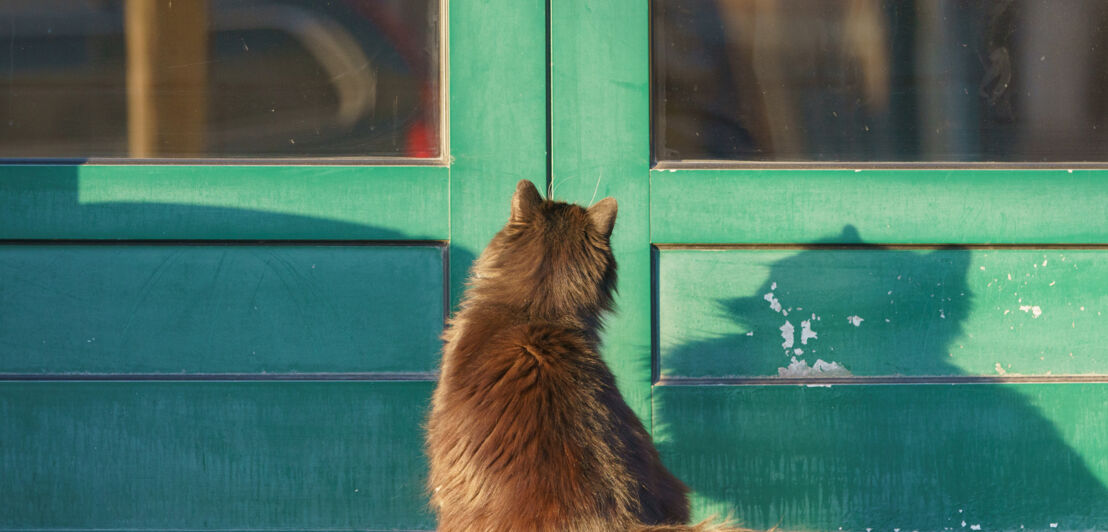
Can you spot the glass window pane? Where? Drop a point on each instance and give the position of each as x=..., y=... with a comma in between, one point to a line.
x=219, y=78
x=880, y=80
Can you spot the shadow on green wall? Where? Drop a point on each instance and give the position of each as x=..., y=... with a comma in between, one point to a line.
x=880, y=456
x=302, y=489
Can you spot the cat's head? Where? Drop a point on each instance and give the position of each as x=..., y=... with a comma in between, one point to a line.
x=552, y=258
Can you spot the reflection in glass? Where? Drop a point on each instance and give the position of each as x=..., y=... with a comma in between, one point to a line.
x=219, y=78
x=880, y=80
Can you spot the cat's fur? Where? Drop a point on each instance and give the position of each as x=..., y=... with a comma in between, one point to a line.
x=527, y=429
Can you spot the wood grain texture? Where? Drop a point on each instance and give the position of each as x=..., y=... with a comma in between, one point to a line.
x=600, y=132
x=224, y=202
x=219, y=309
x=887, y=206
x=923, y=312
x=920, y=457
x=212, y=456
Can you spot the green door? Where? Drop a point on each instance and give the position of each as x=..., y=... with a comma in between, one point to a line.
x=231, y=232
x=860, y=243
x=862, y=251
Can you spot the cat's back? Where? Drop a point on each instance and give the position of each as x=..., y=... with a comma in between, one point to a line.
x=520, y=437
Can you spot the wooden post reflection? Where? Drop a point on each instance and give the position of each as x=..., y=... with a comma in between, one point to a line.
x=167, y=76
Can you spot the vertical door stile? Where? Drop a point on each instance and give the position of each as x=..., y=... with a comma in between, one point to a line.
x=601, y=147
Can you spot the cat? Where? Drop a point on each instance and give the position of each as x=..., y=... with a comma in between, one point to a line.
x=527, y=430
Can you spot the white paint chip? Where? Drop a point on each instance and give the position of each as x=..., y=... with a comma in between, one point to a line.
x=1035, y=310
x=806, y=332
x=774, y=303
x=855, y=320
x=787, y=334
x=975, y=527
x=800, y=368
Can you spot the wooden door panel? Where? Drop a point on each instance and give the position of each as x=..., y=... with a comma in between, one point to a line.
x=886, y=457
x=208, y=308
x=880, y=311
x=212, y=455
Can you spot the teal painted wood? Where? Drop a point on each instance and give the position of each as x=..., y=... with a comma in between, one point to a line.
x=219, y=309
x=497, y=119
x=600, y=133
x=919, y=457
x=997, y=312
x=224, y=202
x=212, y=456
x=887, y=206
x=239, y=455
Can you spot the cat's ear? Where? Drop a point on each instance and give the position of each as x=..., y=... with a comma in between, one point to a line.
x=525, y=200
x=603, y=215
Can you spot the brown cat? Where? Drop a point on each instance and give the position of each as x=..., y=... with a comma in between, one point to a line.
x=527, y=429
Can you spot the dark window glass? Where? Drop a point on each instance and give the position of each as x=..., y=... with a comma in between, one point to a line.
x=219, y=78
x=880, y=80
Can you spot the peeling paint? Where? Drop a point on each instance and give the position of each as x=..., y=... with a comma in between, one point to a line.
x=787, y=334
x=806, y=332
x=800, y=368
x=855, y=320
x=1035, y=310
x=774, y=303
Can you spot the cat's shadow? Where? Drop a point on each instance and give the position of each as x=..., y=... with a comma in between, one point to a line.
x=888, y=455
